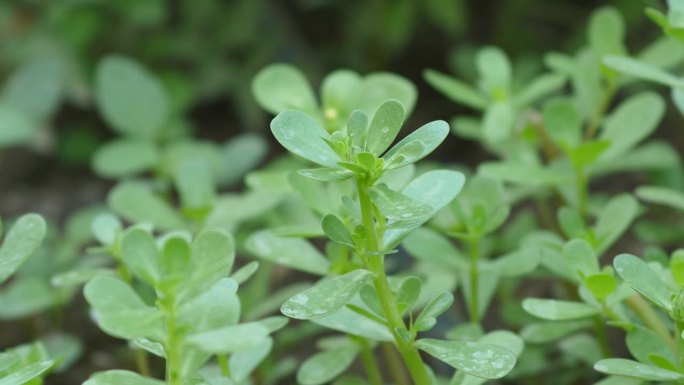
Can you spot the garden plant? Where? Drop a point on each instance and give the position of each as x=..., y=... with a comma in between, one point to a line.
x=341, y=244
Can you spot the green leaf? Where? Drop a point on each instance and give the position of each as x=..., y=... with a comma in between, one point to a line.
x=556, y=310
x=291, y=252
x=348, y=321
x=480, y=360
x=640, y=70
x=632, y=121
x=397, y=207
x=587, y=152
x=26, y=373
x=336, y=230
x=212, y=257
x=408, y=293
x=141, y=255
x=545, y=332
x=563, y=123
x=601, y=285
x=435, y=308
x=229, y=339
x=37, y=87
x=27, y=296
x=245, y=272
x=281, y=87
x=494, y=69
x=580, y=257
x=195, y=183
x=385, y=126
x=376, y=88
x=417, y=145
x=15, y=126
x=661, y=195
x=327, y=365
x=607, y=32
x=242, y=153
x=136, y=202
x=497, y=123
x=629, y=368
x=121, y=377
x=432, y=247
x=131, y=99
x=337, y=91
x=326, y=174
x=326, y=296
x=302, y=135
x=21, y=241
x=639, y=275
x=243, y=362
x=456, y=90
x=539, y=88
x=433, y=188
x=124, y=157
x=643, y=342
x=614, y=219
x=120, y=311
x=524, y=174
x=217, y=307
x=357, y=128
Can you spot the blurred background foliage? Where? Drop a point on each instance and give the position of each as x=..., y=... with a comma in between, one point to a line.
x=206, y=53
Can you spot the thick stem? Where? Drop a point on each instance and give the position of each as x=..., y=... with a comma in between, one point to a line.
x=394, y=362
x=474, y=280
x=651, y=319
x=370, y=364
x=375, y=263
x=173, y=372
x=582, y=190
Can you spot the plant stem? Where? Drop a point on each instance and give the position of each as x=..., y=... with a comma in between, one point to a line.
x=173, y=375
x=394, y=362
x=141, y=362
x=370, y=364
x=651, y=319
x=223, y=364
x=375, y=263
x=582, y=190
x=602, y=337
x=474, y=278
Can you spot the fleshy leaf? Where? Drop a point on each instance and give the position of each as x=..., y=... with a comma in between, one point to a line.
x=326, y=296
x=556, y=310
x=281, y=87
x=629, y=368
x=456, y=90
x=136, y=202
x=325, y=366
x=230, y=339
x=124, y=157
x=121, y=377
x=291, y=252
x=302, y=135
x=417, y=145
x=385, y=126
x=480, y=360
x=643, y=279
x=20, y=242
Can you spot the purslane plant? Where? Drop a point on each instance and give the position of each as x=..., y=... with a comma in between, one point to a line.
x=375, y=220
x=186, y=312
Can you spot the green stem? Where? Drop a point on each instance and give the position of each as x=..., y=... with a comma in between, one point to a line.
x=173, y=372
x=651, y=319
x=223, y=364
x=474, y=278
x=602, y=337
x=582, y=190
x=375, y=263
x=141, y=362
x=370, y=364
x=394, y=362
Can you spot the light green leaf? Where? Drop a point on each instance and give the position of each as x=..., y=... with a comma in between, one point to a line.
x=243, y=362
x=563, y=122
x=497, y=123
x=337, y=91
x=37, y=87
x=136, y=202
x=456, y=90
x=326, y=174
x=326, y=296
x=601, y=285
x=614, y=219
x=281, y=87
x=494, y=69
x=124, y=157
x=638, y=69
x=238, y=156
x=229, y=339
x=120, y=311
x=121, y=377
x=16, y=127
x=27, y=296
x=556, y=310
x=397, y=207
x=538, y=88
x=607, y=32
x=302, y=135
x=480, y=360
x=384, y=126
x=643, y=342
x=131, y=99
x=27, y=373
x=336, y=230
x=433, y=188
x=580, y=257
x=639, y=275
x=357, y=128
x=376, y=88
x=212, y=257
x=661, y=195
x=291, y=252
x=655, y=155
x=21, y=241
x=629, y=368
x=325, y=366
x=141, y=255
x=434, y=309
x=634, y=120
x=217, y=307
x=432, y=247
x=195, y=184
x=416, y=145
x=545, y=332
